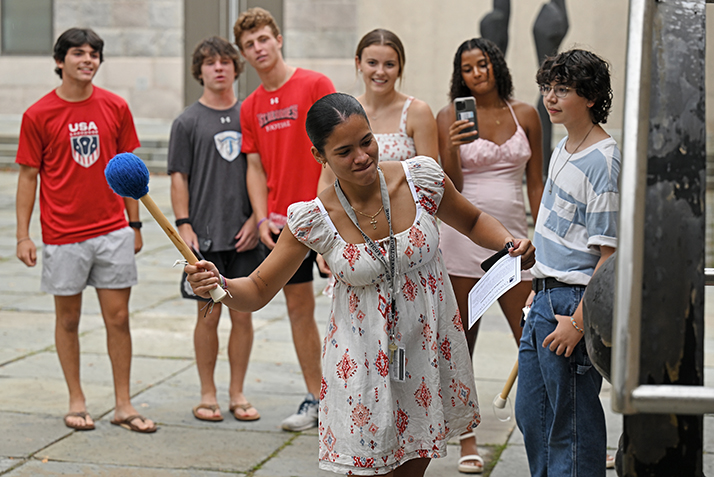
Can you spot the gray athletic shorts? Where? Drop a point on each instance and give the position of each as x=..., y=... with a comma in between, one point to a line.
x=106, y=261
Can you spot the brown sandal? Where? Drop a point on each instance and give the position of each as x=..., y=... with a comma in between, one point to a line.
x=244, y=407
x=128, y=423
x=84, y=415
x=210, y=407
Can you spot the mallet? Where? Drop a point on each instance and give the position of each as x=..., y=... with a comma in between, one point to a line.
x=128, y=176
x=500, y=401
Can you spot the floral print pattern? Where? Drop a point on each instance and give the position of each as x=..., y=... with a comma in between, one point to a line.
x=369, y=423
x=397, y=146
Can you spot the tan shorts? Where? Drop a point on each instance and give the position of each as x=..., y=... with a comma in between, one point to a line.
x=106, y=261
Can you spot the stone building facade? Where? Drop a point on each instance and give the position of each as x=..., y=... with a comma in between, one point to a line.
x=144, y=46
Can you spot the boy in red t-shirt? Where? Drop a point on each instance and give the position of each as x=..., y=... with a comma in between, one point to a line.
x=281, y=170
x=66, y=139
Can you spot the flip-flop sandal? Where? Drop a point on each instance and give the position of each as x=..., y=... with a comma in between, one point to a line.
x=84, y=415
x=243, y=407
x=128, y=423
x=210, y=407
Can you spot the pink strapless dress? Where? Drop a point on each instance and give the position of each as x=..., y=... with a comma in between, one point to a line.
x=493, y=182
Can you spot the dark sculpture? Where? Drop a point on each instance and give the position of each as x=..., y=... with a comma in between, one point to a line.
x=494, y=25
x=549, y=29
x=598, y=303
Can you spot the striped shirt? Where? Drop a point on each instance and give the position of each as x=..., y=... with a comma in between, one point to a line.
x=579, y=214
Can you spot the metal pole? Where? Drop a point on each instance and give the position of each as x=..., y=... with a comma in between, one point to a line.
x=671, y=338
x=628, y=283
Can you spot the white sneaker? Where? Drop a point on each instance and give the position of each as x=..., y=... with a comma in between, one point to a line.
x=305, y=418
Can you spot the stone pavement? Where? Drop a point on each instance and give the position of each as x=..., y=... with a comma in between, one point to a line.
x=33, y=396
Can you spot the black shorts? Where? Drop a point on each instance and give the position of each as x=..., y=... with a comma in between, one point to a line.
x=304, y=273
x=230, y=264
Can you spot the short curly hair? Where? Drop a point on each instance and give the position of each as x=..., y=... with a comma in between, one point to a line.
x=587, y=73
x=504, y=83
x=252, y=19
x=211, y=47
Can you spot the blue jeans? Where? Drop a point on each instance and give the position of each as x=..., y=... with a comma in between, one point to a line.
x=557, y=406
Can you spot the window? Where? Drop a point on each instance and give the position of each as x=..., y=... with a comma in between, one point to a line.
x=26, y=27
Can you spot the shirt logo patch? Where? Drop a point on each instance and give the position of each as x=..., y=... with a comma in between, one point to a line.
x=228, y=144
x=85, y=143
x=291, y=112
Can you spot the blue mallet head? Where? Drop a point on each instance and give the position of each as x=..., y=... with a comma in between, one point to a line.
x=128, y=176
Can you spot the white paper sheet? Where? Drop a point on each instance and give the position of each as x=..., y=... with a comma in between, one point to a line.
x=501, y=277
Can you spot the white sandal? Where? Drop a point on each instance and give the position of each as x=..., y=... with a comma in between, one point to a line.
x=470, y=469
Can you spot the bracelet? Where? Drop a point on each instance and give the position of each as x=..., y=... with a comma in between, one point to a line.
x=572, y=320
x=135, y=225
x=260, y=222
x=22, y=240
x=180, y=222
x=223, y=284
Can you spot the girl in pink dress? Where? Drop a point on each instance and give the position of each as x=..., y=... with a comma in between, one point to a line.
x=488, y=171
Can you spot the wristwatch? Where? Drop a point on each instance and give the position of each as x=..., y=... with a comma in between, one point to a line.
x=135, y=225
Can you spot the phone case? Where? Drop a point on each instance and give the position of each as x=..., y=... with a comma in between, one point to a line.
x=465, y=108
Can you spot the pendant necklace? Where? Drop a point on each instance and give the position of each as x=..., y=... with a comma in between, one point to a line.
x=389, y=264
x=552, y=181
x=498, y=122
x=372, y=218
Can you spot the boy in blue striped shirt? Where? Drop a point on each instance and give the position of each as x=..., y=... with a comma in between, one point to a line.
x=557, y=407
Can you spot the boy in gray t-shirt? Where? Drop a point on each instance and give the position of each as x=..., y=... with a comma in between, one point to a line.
x=214, y=216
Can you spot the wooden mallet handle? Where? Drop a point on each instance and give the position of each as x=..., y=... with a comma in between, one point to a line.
x=217, y=293
x=501, y=399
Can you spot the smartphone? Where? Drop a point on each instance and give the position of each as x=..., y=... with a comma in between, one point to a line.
x=466, y=109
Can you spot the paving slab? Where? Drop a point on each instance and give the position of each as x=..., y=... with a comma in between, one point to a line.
x=6, y=463
x=30, y=432
x=297, y=459
x=95, y=368
x=172, y=447
x=161, y=337
x=49, y=396
x=512, y=462
x=172, y=402
x=37, y=468
x=23, y=334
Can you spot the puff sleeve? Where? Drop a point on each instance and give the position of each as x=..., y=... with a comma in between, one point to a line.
x=428, y=180
x=307, y=224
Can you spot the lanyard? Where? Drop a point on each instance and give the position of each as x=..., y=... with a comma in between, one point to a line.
x=391, y=264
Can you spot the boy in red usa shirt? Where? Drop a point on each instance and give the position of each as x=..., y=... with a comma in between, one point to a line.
x=66, y=140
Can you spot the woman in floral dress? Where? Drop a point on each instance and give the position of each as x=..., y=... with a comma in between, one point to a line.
x=397, y=377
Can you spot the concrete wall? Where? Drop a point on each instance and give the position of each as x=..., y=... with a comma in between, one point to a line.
x=142, y=56
x=432, y=31
x=143, y=47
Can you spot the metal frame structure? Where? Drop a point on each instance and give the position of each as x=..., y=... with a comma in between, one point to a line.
x=629, y=396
